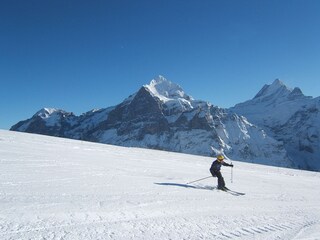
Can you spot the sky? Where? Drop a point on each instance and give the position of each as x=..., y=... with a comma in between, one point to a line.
x=80, y=55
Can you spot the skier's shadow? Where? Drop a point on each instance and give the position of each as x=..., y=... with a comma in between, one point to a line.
x=186, y=186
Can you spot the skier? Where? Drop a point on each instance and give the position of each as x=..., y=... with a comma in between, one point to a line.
x=215, y=171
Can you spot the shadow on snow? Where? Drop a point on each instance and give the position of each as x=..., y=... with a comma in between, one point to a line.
x=186, y=186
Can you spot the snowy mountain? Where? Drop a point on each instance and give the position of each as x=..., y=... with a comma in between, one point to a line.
x=160, y=115
x=59, y=123
x=57, y=188
x=289, y=116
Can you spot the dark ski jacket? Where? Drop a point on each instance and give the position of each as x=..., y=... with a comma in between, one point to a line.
x=216, y=166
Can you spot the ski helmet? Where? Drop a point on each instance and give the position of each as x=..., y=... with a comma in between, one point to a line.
x=220, y=158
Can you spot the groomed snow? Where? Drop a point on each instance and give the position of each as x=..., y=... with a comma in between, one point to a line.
x=54, y=188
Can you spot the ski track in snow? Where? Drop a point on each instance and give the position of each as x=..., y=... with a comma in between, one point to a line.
x=59, y=189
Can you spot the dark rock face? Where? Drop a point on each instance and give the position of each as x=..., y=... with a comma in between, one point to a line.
x=138, y=117
x=143, y=108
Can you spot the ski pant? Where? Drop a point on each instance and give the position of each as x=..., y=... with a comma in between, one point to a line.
x=218, y=174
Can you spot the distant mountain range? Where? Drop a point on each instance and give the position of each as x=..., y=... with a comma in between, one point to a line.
x=278, y=127
x=290, y=117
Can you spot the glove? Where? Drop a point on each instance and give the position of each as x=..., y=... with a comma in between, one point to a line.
x=231, y=165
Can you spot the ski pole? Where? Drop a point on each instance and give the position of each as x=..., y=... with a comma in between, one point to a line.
x=231, y=174
x=199, y=180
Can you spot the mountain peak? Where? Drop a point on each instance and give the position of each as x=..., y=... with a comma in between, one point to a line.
x=165, y=89
x=45, y=112
x=277, y=88
x=159, y=79
x=278, y=82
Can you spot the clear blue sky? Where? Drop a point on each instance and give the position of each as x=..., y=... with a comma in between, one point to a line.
x=78, y=55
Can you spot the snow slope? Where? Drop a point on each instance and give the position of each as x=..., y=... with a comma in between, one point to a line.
x=55, y=188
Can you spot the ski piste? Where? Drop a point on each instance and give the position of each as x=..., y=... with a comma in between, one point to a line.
x=235, y=193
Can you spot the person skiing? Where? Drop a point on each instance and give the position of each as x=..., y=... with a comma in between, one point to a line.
x=215, y=171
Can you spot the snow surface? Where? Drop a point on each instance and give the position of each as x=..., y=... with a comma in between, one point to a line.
x=55, y=188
